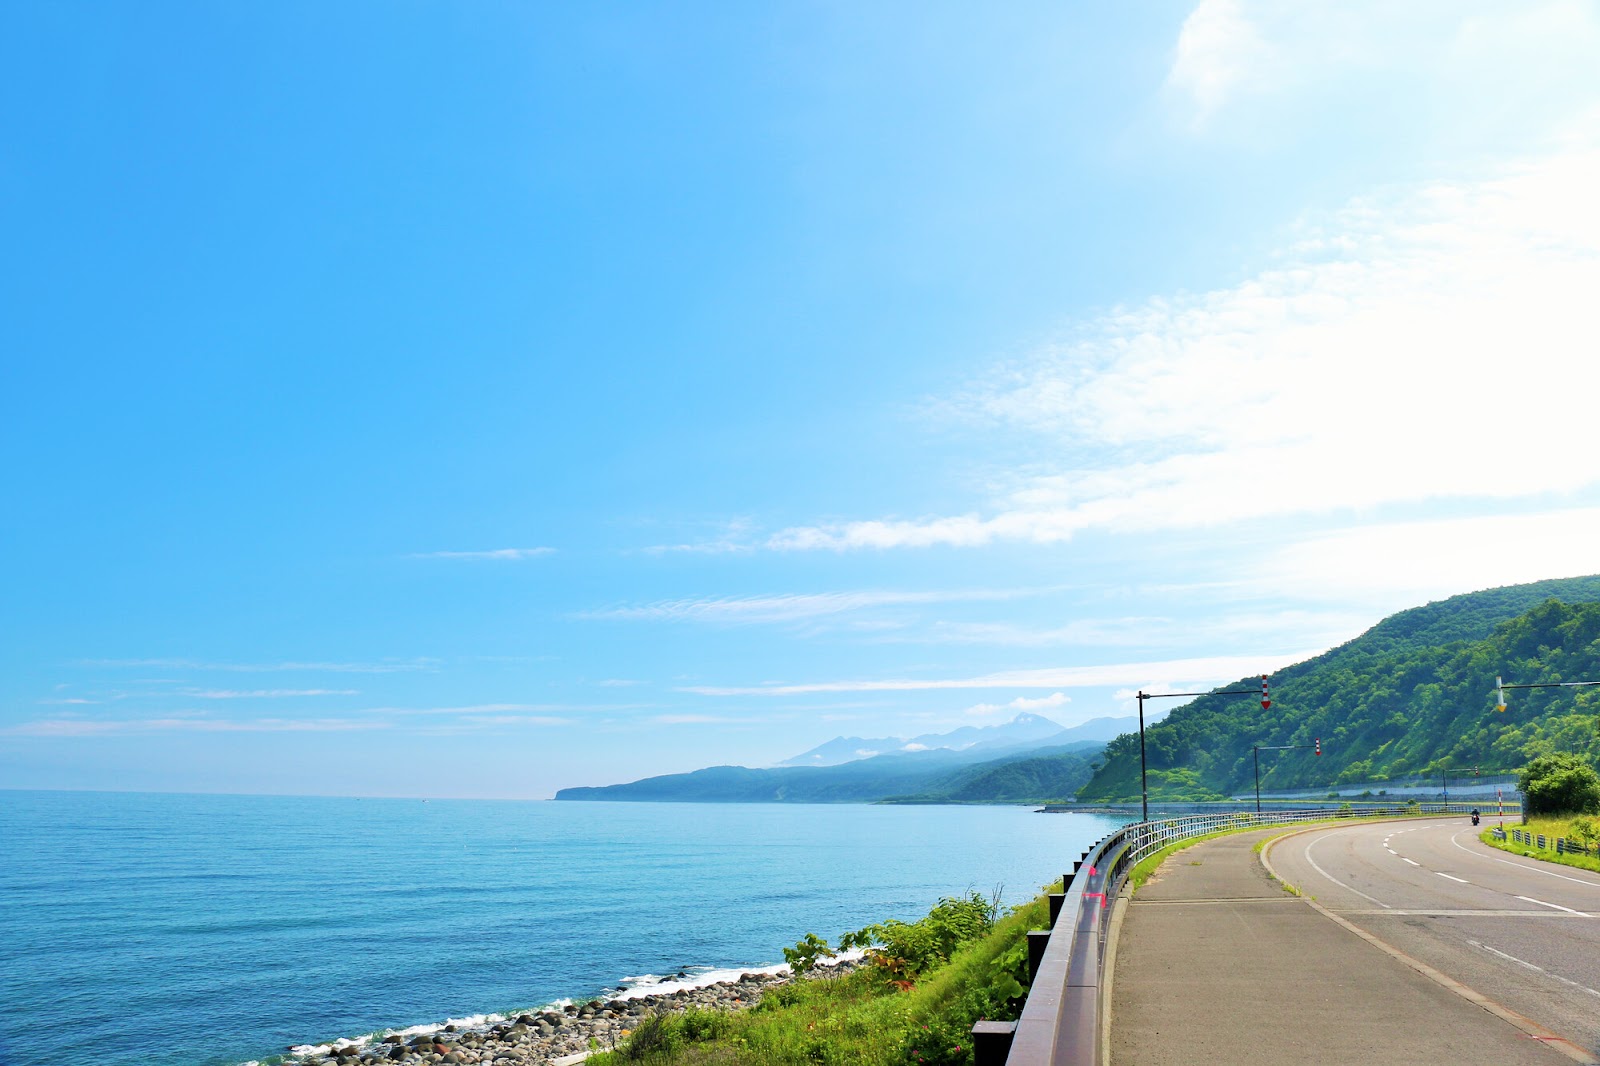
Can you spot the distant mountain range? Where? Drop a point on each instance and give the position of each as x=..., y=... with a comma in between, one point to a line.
x=1023, y=729
x=1029, y=759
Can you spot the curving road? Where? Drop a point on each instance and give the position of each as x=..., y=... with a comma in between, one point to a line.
x=1523, y=933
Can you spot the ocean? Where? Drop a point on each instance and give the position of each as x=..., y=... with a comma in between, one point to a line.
x=203, y=930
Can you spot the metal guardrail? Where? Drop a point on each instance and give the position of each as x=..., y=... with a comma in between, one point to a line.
x=1562, y=845
x=1060, y=1022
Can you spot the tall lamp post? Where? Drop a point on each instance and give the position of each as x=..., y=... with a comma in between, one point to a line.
x=1500, y=689
x=1144, y=790
x=1255, y=754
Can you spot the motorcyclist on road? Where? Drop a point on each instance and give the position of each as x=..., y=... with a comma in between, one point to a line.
x=1474, y=816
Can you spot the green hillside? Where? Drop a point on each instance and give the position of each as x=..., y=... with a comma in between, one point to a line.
x=1040, y=777
x=1036, y=774
x=1409, y=696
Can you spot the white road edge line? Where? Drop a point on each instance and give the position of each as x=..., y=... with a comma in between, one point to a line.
x=1553, y=906
x=1463, y=880
x=1536, y=969
x=1521, y=865
x=1413, y=862
x=1321, y=837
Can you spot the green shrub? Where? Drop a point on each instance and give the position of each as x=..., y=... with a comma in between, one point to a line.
x=905, y=950
x=803, y=957
x=1559, y=784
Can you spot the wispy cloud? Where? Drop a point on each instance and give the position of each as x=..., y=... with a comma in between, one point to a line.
x=396, y=666
x=494, y=708
x=1451, y=65
x=517, y=719
x=267, y=693
x=78, y=727
x=1235, y=626
x=792, y=607
x=1020, y=704
x=1395, y=564
x=493, y=554
x=1219, y=52
x=1382, y=364
x=733, y=537
x=1208, y=669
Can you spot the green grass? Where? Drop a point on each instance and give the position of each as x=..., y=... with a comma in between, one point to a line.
x=859, y=1018
x=1551, y=826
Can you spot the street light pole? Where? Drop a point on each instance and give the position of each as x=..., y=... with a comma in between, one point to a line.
x=1144, y=789
x=1255, y=754
x=1144, y=792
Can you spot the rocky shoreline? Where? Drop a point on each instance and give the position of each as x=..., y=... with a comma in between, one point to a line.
x=549, y=1037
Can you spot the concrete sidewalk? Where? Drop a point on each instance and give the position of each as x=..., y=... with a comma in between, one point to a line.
x=1216, y=963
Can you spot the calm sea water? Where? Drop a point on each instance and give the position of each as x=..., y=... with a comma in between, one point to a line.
x=177, y=930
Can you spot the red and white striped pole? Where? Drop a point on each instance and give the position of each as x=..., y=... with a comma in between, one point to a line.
x=1266, y=702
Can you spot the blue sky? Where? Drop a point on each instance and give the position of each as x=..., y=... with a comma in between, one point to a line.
x=480, y=399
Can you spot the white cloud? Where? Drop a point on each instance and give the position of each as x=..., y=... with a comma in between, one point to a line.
x=1400, y=564
x=1455, y=71
x=1416, y=347
x=1210, y=669
x=731, y=537
x=1297, y=628
x=792, y=607
x=495, y=554
x=1219, y=52
x=482, y=709
x=1021, y=704
x=385, y=667
x=76, y=727
x=515, y=719
x=267, y=693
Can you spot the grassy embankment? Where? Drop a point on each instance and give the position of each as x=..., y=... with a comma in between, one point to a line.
x=916, y=1004
x=1552, y=826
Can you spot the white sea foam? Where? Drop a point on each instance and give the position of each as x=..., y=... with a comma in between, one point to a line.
x=654, y=985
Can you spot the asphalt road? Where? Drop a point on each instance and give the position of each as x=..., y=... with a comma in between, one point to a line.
x=1523, y=933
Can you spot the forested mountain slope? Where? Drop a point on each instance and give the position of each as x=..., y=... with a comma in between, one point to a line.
x=1411, y=695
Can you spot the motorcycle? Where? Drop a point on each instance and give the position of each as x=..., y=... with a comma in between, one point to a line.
x=1474, y=817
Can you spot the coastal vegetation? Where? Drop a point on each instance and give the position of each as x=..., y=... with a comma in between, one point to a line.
x=1559, y=783
x=914, y=1000
x=1414, y=695
x=1583, y=830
